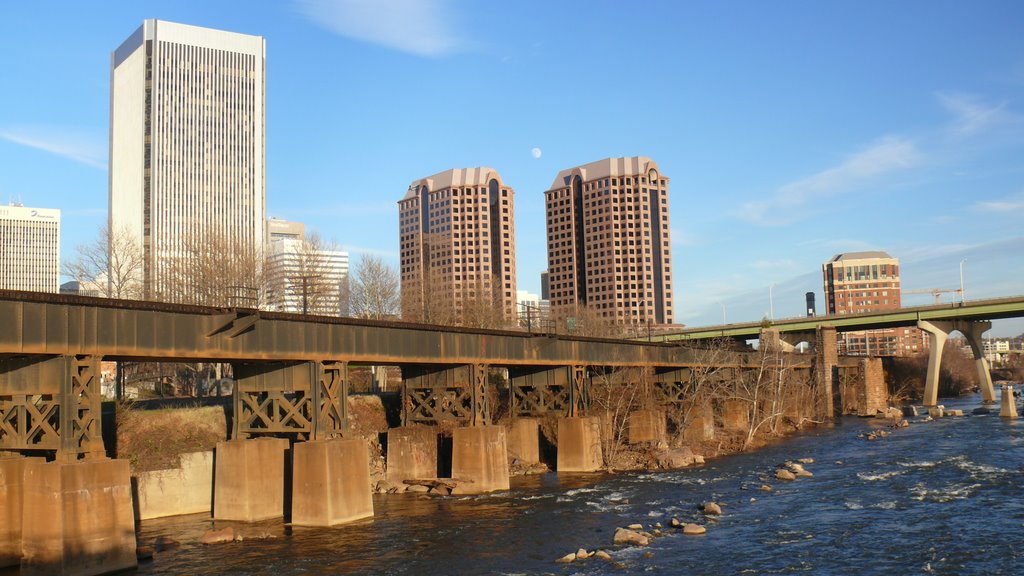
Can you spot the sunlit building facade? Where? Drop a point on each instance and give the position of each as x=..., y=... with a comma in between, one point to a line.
x=29, y=249
x=187, y=143
x=861, y=282
x=608, y=242
x=457, y=240
x=303, y=278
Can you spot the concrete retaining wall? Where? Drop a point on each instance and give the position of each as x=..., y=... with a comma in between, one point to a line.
x=184, y=490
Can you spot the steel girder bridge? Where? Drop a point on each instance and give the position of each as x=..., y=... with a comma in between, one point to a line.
x=971, y=318
x=291, y=371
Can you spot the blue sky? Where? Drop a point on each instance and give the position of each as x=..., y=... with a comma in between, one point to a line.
x=791, y=131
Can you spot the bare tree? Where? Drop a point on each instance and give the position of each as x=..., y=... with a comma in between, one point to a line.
x=615, y=394
x=215, y=270
x=374, y=289
x=483, y=306
x=112, y=264
x=585, y=320
x=302, y=276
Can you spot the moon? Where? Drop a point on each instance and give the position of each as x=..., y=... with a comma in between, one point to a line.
x=536, y=152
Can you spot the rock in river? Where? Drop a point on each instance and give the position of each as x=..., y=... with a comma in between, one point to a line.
x=694, y=529
x=630, y=537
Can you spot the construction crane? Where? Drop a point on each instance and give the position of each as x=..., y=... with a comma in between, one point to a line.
x=934, y=292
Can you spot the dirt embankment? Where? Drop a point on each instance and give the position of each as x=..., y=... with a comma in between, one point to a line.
x=155, y=439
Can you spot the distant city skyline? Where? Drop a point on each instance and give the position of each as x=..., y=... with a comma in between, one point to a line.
x=792, y=132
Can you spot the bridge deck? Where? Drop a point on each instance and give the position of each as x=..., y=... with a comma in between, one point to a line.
x=50, y=324
x=993, y=309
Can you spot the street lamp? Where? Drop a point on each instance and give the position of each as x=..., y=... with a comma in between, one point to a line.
x=771, y=302
x=962, y=280
x=724, y=321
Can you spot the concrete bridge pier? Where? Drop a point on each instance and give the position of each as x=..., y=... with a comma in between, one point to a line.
x=480, y=457
x=524, y=440
x=647, y=426
x=1008, y=405
x=479, y=450
x=579, y=444
x=579, y=436
x=77, y=517
x=938, y=332
x=249, y=479
x=412, y=453
x=12, y=498
x=331, y=482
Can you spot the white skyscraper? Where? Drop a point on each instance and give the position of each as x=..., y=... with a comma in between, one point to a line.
x=29, y=249
x=187, y=144
x=303, y=277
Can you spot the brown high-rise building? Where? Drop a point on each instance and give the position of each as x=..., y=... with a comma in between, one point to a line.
x=457, y=240
x=608, y=242
x=859, y=282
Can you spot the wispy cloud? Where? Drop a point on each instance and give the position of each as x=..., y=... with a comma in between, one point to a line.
x=421, y=27
x=919, y=253
x=792, y=201
x=681, y=237
x=70, y=143
x=840, y=244
x=972, y=115
x=390, y=254
x=1010, y=204
x=783, y=264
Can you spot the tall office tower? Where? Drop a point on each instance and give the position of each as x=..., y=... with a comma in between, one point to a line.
x=29, y=249
x=303, y=277
x=608, y=242
x=187, y=149
x=859, y=282
x=458, y=249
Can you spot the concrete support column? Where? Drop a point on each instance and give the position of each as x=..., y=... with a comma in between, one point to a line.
x=735, y=415
x=480, y=455
x=873, y=395
x=938, y=332
x=524, y=440
x=973, y=331
x=1008, y=406
x=249, y=480
x=77, y=518
x=647, y=426
x=12, y=496
x=826, y=357
x=412, y=453
x=579, y=444
x=771, y=341
x=331, y=482
x=700, y=425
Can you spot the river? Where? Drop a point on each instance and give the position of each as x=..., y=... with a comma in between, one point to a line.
x=940, y=497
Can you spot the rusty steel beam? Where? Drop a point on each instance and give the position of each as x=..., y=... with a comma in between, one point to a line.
x=50, y=324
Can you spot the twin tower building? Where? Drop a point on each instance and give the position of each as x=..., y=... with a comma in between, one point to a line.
x=609, y=252
x=187, y=161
